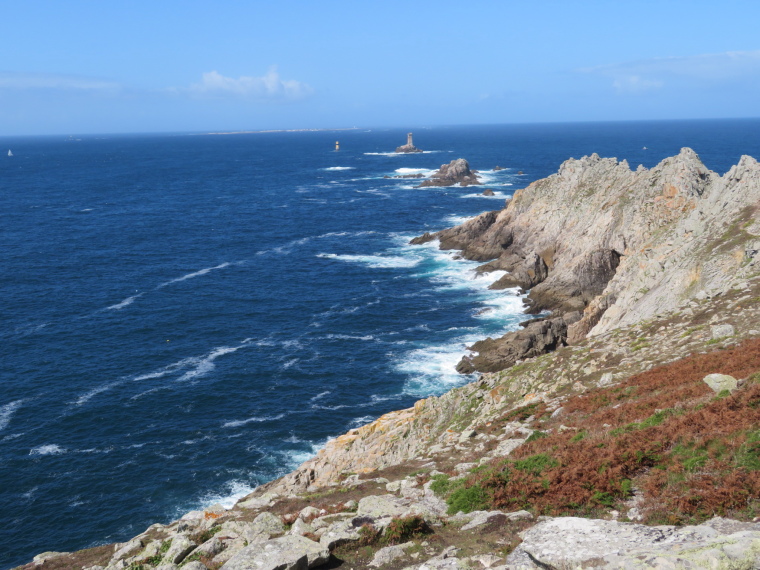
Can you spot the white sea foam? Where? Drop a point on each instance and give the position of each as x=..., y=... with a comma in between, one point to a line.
x=7, y=411
x=194, y=274
x=232, y=492
x=339, y=168
x=457, y=220
x=319, y=396
x=126, y=302
x=362, y=421
x=496, y=196
x=405, y=171
x=432, y=369
x=87, y=396
x=255, y=419
x=49, y=449
x=403, y=153
x=375, y=261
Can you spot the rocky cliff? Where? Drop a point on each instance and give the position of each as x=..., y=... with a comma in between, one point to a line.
x=617, y=244
x=619, y=432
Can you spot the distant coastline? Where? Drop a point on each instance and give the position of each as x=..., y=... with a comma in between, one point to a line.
x=283, y=131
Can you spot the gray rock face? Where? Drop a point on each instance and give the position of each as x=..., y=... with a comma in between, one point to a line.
x=456, y=172
x=284, y=553
x=377, y=506
x=536, y=338
x=720, y=382
x=622, y=245
x=181, y=546
x=571, y=542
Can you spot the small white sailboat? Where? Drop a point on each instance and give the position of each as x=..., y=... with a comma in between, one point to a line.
x=10, y=153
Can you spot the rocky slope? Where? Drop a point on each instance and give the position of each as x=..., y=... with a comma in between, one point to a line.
x=654, y=277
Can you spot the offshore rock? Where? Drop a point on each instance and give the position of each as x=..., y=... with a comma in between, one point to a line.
x=456, y=172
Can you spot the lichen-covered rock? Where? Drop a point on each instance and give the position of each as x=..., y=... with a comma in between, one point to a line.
x=284, y=553
x=720, y=382
x=572, y=541
x=389, y=554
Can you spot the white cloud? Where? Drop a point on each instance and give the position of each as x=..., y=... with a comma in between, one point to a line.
x=651, y=74
x=9, y=80
x=269, y=86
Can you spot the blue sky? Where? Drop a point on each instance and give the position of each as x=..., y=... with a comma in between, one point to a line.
x=103, y=67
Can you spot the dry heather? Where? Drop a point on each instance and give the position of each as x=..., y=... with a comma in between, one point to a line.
x=693, y=454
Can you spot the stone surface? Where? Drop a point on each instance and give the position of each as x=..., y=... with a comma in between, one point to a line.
x=284, y=553
x=484, y=517
x=180, y=547
x=721, y=331
x=720, y=382
x=389, y=554
x=267, y=523
x=571, y=542
x=377, y=506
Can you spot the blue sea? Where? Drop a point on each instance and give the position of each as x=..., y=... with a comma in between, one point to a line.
x=187, y=316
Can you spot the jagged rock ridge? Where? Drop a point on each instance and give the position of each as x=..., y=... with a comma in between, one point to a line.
x=617, y=244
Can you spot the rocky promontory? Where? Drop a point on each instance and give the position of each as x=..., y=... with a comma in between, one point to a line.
x=618, y=429
x=456, y=172
x=616, y=244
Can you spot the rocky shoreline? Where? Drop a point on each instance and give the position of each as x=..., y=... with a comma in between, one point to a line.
x=645, y=278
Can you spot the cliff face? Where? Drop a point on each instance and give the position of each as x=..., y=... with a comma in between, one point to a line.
x=617, y=244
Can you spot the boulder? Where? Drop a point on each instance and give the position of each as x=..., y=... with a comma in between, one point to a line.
x=488, y=192
x=284, y=553
x=720, y=382
x=484, y=517
x=456, y=172
x=267, y=523
x=389, y=554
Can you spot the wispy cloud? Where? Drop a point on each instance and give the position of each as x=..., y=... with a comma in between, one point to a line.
x=268, y=86
x=20, y=81
x=652, y=74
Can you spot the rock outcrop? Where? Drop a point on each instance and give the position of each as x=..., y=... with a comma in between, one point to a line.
x=618, y=245
x=456, y=172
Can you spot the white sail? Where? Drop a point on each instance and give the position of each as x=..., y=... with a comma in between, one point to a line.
x=10, y=153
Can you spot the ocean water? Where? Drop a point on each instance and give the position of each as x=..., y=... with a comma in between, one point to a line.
x=185, y=317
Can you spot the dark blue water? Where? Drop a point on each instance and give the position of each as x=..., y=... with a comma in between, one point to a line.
x=185, y=317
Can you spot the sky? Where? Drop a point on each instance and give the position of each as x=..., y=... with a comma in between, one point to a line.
x=76, y=66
